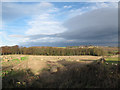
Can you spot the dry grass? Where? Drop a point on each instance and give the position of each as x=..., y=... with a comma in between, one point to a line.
x=37, y=63
x=76, y=75
x=72, y=73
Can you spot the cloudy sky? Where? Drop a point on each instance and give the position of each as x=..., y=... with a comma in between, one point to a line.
x=59, y=23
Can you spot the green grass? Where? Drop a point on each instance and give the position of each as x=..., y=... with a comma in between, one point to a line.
x=4, y=72
x=23, y=58
x=61, y=47
x=14, y=61
x=112, y=59
x=3, y=62
x=110, y=54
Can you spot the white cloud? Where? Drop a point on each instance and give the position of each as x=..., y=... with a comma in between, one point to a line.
x=67, y=6
x=61, y=0
x=10, y=40
x=103, y=0
x=98, y=5
x=16, y=36
x=44, y=24
x=13, y=10
x=0, y=15
x=41, y=22
x=107, y=5
x=0, y=33
x=75, y=12
x=45, y=39
x=44, y=21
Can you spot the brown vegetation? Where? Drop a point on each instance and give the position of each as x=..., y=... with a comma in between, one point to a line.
x=73, y=75
x=54, y=51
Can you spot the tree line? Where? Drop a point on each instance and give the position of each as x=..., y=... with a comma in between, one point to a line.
x=55, y=51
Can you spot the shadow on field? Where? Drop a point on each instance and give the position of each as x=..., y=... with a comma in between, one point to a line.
x=73, y=75
x=6, y=67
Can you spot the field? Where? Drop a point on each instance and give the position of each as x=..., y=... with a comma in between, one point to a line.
x=36, y=63
x=24, y=70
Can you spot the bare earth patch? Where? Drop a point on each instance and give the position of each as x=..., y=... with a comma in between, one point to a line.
x=37, y=63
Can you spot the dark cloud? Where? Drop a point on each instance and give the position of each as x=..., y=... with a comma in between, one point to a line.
x=97, y=27
x=64, y=44
x=100, y=24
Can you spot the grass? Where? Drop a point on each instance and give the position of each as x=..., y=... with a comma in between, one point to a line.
x=5, y=73
x=11, y=63
x=111, y=59
x=61, y=47
x=110, y=54
x=23, y=58
x=17, y=61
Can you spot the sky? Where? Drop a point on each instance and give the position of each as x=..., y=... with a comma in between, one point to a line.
x=59, y=24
